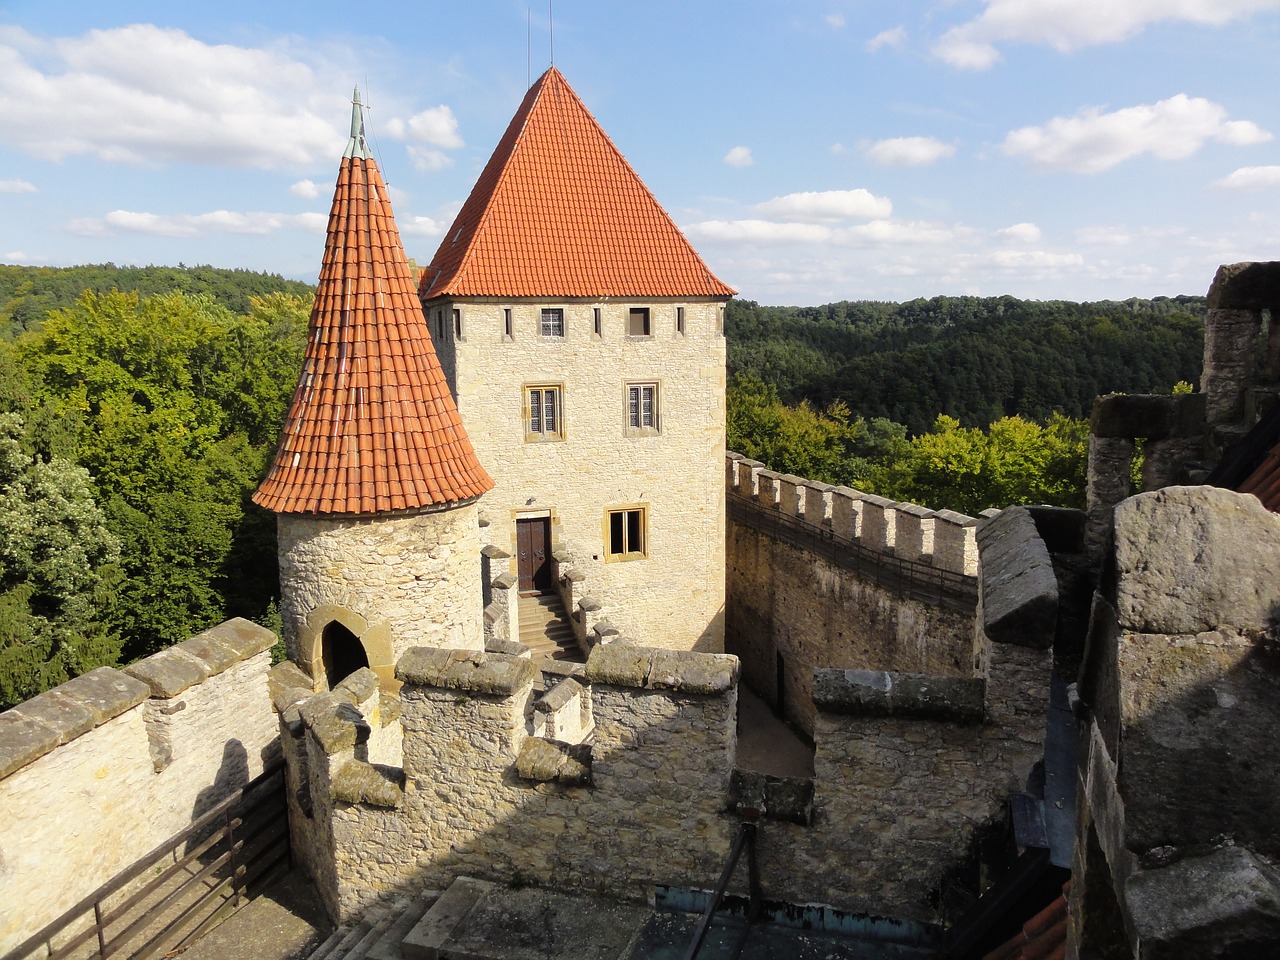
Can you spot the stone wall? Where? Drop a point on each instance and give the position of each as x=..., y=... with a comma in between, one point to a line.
x=673, y=596
x=1179, y=808
x=97, y=772
x=797, y=606
x=379, y=577
x=901, y=785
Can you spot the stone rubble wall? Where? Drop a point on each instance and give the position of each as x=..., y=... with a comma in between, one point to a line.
x=97, y=772
x=788, y=601
x=898, y=793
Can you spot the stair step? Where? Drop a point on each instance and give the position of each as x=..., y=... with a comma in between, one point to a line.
x=424, y=941
x=328, y=949
x=390, y=945
x=379, y=920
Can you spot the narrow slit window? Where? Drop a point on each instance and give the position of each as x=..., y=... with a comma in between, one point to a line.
x=680, y=320
x=506, y=322
x=596, y=316
x=457, y=323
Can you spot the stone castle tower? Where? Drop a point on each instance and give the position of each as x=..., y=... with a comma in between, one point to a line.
x=375, y=482
x=584, y=340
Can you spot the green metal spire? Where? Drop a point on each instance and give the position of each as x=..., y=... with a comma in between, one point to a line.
x=357, y=146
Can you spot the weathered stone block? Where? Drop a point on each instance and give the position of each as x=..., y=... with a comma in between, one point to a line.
x=1245, y=286
x=1019, y=587
x=105, y=692
x=622, y=665
x=360, y=782
x=493, y=673
x=1224, y=904
x=550, y=761
x=169, y=672
x=878, y=693
x=335, y=722
x=1191, y=559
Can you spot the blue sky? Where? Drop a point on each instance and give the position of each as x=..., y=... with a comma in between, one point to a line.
x=812, y=151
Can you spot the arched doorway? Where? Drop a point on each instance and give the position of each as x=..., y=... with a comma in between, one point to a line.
x=341, y=652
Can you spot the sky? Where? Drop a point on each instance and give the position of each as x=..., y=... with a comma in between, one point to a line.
x=811, y=151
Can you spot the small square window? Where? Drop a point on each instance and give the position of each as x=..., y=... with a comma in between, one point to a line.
x=638, y=322
x=553, y=322
x=626, y=533
x=544, y=412
x=642, y=408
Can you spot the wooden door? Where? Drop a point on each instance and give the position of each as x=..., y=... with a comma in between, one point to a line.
x=533, y=552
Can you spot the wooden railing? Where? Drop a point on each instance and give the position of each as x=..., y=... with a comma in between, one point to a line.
x=906, y=578
x=197, y=877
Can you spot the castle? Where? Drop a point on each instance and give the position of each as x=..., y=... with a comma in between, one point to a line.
x=544, y=410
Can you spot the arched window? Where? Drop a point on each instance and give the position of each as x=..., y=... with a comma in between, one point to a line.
x=342, y=652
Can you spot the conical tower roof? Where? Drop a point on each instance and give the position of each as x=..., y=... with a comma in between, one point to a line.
x=372, y=427
x=558, y=212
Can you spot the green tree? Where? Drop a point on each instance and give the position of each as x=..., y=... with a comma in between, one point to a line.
x=57, y=571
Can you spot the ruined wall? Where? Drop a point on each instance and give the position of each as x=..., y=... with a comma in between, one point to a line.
x=100, y=770
x=673, y=596
x=802, y=603
x=902, y=782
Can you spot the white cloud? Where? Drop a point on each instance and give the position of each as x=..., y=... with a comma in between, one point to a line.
x=1034, y=259
x=875, y=233
x=16, y=186
x=14, y=256
x=1104, y=236
x=834, y=20
x=1251, y=178
x=147, y=95
x=1080, y=23
x=422, y=227
x=427, y=160
x=827, y=205
x=894, y=39
x=739, y=157
x=908, y=151
x=1021, y=233
x=195, y=225
x=759, y=231
x=1092, y=141
x=435, y=127
x=307, y=189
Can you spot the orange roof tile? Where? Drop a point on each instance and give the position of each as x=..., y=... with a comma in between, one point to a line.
x=1043, y=937
x=558, y=212
x=372, y=427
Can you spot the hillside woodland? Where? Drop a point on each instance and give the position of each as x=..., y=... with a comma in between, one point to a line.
x=962, y=403
x=140, y=407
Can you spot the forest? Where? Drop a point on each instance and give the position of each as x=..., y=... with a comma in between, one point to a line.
x=140, y=407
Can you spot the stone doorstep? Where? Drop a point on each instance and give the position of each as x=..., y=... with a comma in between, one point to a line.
x=424, y=941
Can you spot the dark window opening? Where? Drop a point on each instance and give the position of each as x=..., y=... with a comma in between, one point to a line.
x=638, y=322
x=341, y=652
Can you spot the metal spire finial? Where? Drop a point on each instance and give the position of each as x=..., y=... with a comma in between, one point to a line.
x=357, y=146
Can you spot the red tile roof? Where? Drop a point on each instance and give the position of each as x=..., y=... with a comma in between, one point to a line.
x=372, y=427
x=1043, y=937
x=1264, y=482
x=558, y=212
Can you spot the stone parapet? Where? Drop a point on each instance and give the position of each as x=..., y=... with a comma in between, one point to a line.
x=817, y=502
x=914, y=537
x=625, y=665
x=955, y=542
x=879, y=693
x=879, y=527
x=846, y=513
x=471, y=671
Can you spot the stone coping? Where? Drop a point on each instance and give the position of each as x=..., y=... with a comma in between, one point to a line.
x=288, y=684
x=171, y=671
x=334, y=720
x=35, y=727
x=559, y=696
x=512, y=648
x=550, y=761
x=628, y=665
x=879, y=693
x=1019, y=585
x=475, y=671
x=374, y=784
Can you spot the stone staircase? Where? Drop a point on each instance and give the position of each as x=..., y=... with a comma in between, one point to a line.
x=381, y=934
x=545, y=628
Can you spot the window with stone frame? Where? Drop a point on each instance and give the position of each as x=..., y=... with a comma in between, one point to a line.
x=638, y=322
x=544, y=412
x=626, y=533
x=552, y=322
x=643, y=414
